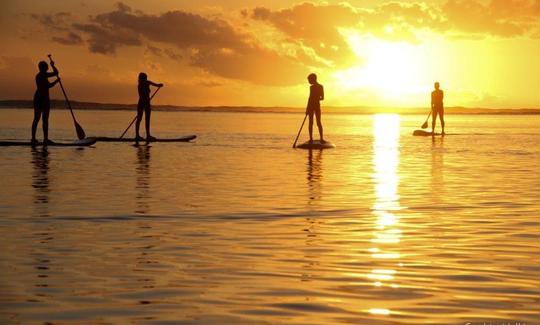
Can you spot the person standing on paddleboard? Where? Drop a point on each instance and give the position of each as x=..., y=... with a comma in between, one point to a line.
x=437, y=107
x=316, y=94
x=144, y=105
x=42, y=102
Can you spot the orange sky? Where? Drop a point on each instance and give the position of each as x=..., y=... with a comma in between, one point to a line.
x=366, y=53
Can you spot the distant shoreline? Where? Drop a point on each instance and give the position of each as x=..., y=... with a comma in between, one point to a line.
x=60, y=104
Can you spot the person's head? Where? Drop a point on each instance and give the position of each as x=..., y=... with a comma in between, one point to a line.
x=43, y=66
x=437, y=85
x=142, y=77
x=312, y=78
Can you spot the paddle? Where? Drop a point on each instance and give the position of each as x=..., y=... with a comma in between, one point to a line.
x=130, y=124
x=80, y=131
x=298, y=135
x=425, y=125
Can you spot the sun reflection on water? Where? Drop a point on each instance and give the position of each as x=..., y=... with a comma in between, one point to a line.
x=379, y=311
x=387, y=234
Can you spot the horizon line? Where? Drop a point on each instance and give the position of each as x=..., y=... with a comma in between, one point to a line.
x=22, y=103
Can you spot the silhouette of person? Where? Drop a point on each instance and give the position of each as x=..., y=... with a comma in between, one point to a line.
x=437, y=107
x=42, y=102
x=316, y=94
x=144, y=105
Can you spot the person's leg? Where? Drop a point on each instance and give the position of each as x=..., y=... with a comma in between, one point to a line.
x=45, y=122
x=441, y=117
x=138, y=121
x=433, y=120
x=37, y=117
x=319, y=123
x=147, y=115
x=310, y=125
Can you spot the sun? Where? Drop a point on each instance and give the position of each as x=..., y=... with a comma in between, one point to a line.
x=391, y=69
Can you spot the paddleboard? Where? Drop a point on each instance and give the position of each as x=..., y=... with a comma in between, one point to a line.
x=79, y=143
x=180, y=139
x=422, y=133
x=316, y=144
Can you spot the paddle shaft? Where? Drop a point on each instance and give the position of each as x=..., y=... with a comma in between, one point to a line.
x=67, y=100
x=130, y=124
x=299, y=131
x=78, y=127
x=425, y=125
x=428, y=116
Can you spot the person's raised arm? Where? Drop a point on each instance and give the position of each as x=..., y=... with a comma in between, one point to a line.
x=54, y=73
x=155, y=84
x=52, y=84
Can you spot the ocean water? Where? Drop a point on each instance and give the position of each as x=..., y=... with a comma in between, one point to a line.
x=239, y=228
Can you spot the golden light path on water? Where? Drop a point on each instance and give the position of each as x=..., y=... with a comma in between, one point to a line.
x=386, y=234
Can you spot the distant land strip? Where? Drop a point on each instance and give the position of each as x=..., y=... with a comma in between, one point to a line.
x=61, y=104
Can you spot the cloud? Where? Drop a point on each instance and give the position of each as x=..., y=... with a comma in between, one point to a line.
x=400, y=21
x=504, y=18
x=182, y=29
x=172, y=54
x=319, y=29
x=105, y=40
x=163, y=52
x=318, y=24
x=466, y=18
x=313, y=26
x=58, y=21
x=212, y=44
x=69, y=39
x=310, y=36
x=210, y=84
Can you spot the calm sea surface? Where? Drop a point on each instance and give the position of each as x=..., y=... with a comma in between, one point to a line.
x=238, y=228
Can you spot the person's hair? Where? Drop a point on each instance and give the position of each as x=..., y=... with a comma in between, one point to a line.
x=312, y=77
x=143, y=76
x=43, y=66
x=437, y=84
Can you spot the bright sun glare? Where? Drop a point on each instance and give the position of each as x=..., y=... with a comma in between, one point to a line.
x=391, y=69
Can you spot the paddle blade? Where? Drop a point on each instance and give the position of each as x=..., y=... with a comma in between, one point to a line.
x=425, y=125
x=80, y=132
